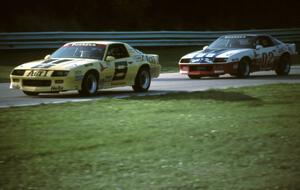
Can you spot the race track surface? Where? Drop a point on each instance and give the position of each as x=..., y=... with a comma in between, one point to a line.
x=166, y=83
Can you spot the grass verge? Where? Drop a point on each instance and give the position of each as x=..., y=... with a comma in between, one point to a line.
x=246, y=138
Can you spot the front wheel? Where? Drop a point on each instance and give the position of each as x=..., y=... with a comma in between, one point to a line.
x=89, y=84
x=284, y=66
x=142, y=80
x=244, y=68
x=28, y=93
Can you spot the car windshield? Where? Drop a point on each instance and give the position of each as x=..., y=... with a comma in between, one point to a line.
x=233, y=42
x=86, y=51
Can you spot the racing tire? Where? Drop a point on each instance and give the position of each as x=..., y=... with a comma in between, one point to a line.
x=28, y=93
x=89, y=85
x=194, y=77
x=284, y=66
x=142, y=80
x=244, y=68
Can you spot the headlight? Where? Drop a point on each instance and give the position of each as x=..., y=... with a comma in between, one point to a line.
x=185, y=60
x=217, y=60
x=18, y=72
x=59, y=73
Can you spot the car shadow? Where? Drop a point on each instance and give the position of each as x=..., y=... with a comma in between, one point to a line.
x=101, y=94
x=218, y=95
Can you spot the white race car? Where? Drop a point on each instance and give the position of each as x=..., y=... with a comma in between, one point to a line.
x=87, y=67
x=239, y=55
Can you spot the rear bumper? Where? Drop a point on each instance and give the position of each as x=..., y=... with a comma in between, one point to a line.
x=208, y=69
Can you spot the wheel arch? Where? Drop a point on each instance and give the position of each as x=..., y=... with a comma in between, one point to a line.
x=285, y=54
x=93, y=71
x=145, y=65
x=248, y=58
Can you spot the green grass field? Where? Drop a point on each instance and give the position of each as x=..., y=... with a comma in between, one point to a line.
x=245, y=138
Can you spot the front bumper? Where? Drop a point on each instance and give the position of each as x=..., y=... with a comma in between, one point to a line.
x=204, y=69
x=44, y=84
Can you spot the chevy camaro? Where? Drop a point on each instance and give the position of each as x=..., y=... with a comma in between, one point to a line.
x=239, y=55
x=87, y=67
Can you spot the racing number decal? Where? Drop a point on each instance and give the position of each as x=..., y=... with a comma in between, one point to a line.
x=267, y=59
x=120, y=70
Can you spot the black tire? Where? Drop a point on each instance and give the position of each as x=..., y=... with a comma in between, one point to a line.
x=142, y=80
x=89, y=85
x=244, y=68
x=28, y=93
x=194, y=77
x=284, y=66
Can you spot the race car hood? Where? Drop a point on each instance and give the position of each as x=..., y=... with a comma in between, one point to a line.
x=209, y=54
x=56, y=64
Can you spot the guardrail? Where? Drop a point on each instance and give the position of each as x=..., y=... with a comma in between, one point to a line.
x=48, y=40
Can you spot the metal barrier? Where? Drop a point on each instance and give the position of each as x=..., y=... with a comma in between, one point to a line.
x=48, y=40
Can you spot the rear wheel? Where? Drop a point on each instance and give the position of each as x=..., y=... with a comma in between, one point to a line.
x=244, y=68
x=142, y=80
x=28, y=93
x=284, y=66
x=89, y=84
x=194, y=77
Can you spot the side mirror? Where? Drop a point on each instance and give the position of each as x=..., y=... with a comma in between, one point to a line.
x=47, y=57
x=258, y=47
x=110, y=58
x=205, y=47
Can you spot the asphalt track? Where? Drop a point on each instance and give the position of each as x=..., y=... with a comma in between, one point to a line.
x=166, y=83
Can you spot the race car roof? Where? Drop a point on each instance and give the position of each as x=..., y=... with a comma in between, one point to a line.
x=95, y=42
x=244, y=35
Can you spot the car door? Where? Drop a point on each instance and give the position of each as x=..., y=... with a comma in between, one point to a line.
x=266, y=52
x=121, y=64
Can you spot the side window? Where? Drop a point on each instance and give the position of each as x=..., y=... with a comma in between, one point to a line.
x=118, y=51
x=264, y=41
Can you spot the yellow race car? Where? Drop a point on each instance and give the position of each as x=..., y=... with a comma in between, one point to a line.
x=87, y=67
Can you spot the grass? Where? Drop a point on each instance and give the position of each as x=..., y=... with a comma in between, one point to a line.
x=245, y=138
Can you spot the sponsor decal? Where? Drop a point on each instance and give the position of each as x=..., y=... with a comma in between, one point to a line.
x=83, y=44
x=37, y=73
x=56, y=88
x=150, y=59
x=139, y=58
x=120, y=70
x=235, y=36
x=267, y=59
